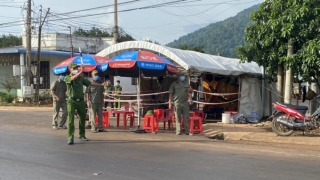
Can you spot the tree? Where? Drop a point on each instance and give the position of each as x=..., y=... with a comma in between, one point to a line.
x=96, y=32
x=9, y=83
x=150, y=41
x=195, y=48
x=279, y=36
x=10, y=40
x=219, y=37
x=93, y=32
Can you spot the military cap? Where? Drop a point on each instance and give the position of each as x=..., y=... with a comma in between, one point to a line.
x=73, y=64
x=94, y=72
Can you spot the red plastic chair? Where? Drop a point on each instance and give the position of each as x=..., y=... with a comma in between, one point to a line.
x=165, y=116
x=132, y=118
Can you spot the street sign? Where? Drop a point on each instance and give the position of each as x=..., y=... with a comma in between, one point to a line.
x=27, y=91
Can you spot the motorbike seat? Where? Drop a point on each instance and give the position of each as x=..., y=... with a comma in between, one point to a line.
x=296, y=107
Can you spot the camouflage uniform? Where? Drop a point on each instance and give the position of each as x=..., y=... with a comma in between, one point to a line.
x=96, y=100
x=76, y=102
x=117, y=90
x=181, y=105
x=59, y=88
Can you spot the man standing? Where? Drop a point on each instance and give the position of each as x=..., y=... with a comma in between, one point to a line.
x=108, y=89
x=179, y=92
x=94, y=95
x=75, y=84
x=58, y=92
x=117, y=90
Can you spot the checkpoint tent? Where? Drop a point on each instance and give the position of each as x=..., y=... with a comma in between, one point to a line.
x=196, y=63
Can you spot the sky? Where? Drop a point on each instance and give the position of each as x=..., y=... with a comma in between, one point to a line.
x=158, y=20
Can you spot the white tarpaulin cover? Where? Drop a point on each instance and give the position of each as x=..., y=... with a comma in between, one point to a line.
x=188, y=60
x=250, y=99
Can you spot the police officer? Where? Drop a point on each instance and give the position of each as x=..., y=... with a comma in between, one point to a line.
x=94, y=95
x=117, y=90
x=75, y=93
x=58, y=92
x=179, y=92
x=108, y=89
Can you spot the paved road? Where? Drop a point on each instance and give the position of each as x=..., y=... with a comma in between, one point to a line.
x=38, y=152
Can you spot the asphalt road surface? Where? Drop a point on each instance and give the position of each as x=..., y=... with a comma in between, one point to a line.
x=38, y=152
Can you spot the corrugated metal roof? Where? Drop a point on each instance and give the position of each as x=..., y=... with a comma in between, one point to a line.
x=19, y=50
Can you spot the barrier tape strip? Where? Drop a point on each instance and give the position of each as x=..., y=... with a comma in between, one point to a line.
x=110, y=100
x=156, y=104
x=198, y=102
x=152, y=104
x=216, y=94
x=149, y=94
x=116, y=99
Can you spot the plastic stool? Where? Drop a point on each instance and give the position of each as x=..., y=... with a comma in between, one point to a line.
x=193, y=113
x=195, y=124
x=150, y=123
x=105, y=119
x=200, y=114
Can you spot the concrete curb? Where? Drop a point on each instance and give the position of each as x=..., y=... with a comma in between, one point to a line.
x=260, y=136
x=20, y=108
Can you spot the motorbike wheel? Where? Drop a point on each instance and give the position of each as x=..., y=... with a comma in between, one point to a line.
x=279, y=128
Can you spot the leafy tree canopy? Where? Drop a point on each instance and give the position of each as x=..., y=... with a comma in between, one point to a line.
x=278, y=24
x=10, y=40
x=96, y=32
x=93, y=32
x=195, y=48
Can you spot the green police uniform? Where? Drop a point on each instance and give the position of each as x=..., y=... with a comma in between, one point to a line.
x=96, y=100
x=59, y=87
x=108, y=90
x=117, y=90
x=76, y=102
x=180, y=97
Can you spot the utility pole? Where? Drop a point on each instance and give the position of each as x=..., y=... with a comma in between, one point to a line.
x=280, y=79
x=71, y=42
x=288, y=87
x=38, y=54
x=115, y=31
x=28, y=46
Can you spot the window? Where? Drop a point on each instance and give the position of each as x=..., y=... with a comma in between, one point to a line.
x=134, y=81
x=45, y=74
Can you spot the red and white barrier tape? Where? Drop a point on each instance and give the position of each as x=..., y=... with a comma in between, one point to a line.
x=216, y=94
x=149, y=94
x=153, y=104
x=198, y=102
x=128, y=101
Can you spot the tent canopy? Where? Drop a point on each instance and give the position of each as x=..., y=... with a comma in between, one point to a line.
x=188, y=60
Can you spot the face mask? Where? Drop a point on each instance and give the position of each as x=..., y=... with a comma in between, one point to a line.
x=182, y=78
x=117, y=84
x=75, y=71
x=62, y=78
x=96, y=78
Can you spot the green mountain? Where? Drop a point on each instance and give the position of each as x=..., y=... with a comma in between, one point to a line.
x=220, y=37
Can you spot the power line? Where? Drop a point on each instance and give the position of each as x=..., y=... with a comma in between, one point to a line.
x=126, y=10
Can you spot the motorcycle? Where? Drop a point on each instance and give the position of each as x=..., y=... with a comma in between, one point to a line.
x=288, y=118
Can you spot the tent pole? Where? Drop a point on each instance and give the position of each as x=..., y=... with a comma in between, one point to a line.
x=239, y=94
x=139, y=99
